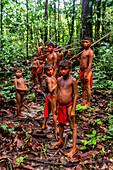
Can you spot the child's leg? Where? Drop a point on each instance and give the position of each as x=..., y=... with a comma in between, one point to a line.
x=19, y=104
x=83, y=92
x=45, y=118
x=74, y=132
x=53, y=109
x=36, y=82
x=88, y=89
x=61, y=131
x=41, y=82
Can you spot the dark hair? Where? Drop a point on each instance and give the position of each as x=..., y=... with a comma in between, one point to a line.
x=59, y=48
x=51, y=44
x=17, y=68
x=88, y=38
x=35, y=55
x=47, y=66
x=40, y=58
x=65, y=63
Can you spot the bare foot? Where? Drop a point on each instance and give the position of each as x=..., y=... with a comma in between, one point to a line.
x=59, y=143
x=72, y=152
x=44, y=127
x=87, y=105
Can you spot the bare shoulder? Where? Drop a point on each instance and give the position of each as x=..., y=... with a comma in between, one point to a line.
x=48, y=79
x=60, y=78
x=55, y=54
x=91, y=51
x=73, y=79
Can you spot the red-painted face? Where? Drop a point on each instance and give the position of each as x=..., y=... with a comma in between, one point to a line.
x=50, y=48
x=18, y=73
x=49, y=71
x=65, y=71
x=87, y=43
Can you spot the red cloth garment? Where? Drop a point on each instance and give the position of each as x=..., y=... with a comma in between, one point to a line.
x=57, y=65
x=46, y=113
x=81, y=76
x=40, y=68
x=68, y=56
x=33, y=72
x=39, y=54
x=62, y=116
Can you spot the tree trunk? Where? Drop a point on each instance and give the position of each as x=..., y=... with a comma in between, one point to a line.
x=55, y=20
x=46, y=20
x=58, y=21
x=98, y=18
x=103, y=17
x=27, y=29
x=1, y=25
x=72, y=25
x=50, y=20
x=86, y=18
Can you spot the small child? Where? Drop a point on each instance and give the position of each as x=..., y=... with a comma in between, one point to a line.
x=21, y=89
x=35, y=65
x=60, y=56
x=66, y=100
x=68, y=54
x=39, y=73
x=51, y=96
x=39, y=49
x=86, y=74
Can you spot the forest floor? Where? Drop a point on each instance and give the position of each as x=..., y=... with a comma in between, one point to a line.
x=24, y=145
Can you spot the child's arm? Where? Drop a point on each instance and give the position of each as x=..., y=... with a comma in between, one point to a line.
x=91, y=54
x=75, y=97
x=77, y=59
x=54, y=60
x=49, y=83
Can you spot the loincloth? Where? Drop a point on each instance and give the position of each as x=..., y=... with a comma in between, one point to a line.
x=62, y=116
x=57, y=65
x=39, y=54
x=46, y=113
x=81, y=76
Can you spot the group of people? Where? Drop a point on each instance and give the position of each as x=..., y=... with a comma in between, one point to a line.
x=61, y=86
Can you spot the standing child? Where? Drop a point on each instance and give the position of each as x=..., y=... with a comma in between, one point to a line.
x=39, y=73
x=86, y=74
x=39, y=49
x=60, y=56
x=21, y=89
x=52, y=58
x=68, y=54
x=35, y=65
x=66, y=100
x=51, y=96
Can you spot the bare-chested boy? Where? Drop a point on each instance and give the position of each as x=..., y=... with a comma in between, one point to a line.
x=35, y=65
x=68, y=54
x=52, y=57
x=60, y=56
x=51, y=96
x=39, y=49
x=86, y=73
x=66, y=100
x=21, y=89
x=39, y=73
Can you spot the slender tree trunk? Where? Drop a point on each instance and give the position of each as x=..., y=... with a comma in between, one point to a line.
x=67, y=16
x=46, y=20
x=86, y=18
x=72, y=25
x=58, y=21
x=50, y=20
x=103, y=17
x=98, y=17
x=1, y=24
x=55, y=20
x=27, y=29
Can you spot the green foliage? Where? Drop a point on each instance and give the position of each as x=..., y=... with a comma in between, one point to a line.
x=21, y=159
x=79, y=108
x=93, y=140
